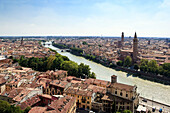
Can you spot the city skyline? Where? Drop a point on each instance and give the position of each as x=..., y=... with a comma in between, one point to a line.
x=84, y=18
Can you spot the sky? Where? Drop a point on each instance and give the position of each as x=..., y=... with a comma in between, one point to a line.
x=149, y=18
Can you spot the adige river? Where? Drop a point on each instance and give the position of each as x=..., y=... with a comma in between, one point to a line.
x=147, y=89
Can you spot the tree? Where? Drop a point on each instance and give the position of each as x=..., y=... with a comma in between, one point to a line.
x=127, y=111
x=5, y=107
x=84, y=43
x=84, y=70
x=11, y=57
x=166, y=66
x=71, y=67
x=93, y=75
x=136, y=67
x=120, y=63
x=127, y=61
x=50, y=61
x=27, y=109
x=65, y=58
x=152, y=63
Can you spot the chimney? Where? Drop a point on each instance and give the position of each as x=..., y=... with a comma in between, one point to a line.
x=113, y=79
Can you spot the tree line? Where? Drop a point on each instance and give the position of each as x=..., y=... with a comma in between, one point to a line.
x=56, y=62
x=147, y=66
x=5, y=107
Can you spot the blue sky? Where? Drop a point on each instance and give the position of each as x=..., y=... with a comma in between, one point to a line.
x=149, y=18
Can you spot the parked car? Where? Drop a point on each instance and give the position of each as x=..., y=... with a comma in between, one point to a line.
x=144, y=100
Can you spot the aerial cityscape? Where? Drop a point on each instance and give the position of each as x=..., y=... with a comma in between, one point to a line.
x=78, y=56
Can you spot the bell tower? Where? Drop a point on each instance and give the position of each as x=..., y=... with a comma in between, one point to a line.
x=122, y=40
x=135, y=48
x=22, y=41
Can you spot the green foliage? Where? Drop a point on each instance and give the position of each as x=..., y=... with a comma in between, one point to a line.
x=84, y=70
x=84, y=43
x=152, y=67
x=5, y=107
x=166, y=66
x=136, y=67
x=57, y=62
x=120, y=63
x=15, y=60
x=92, y=75
x=127, y=61
x=61, y=46
x=71, y=67
x=76, y=51
x=53, y=50
x=11, y=57
x=127, y=111
x=27, y=109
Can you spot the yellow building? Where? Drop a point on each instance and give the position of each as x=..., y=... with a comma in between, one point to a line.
x=83, y=97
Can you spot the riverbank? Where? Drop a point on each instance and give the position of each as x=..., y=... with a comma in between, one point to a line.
x=147, y=89
x=146, y=76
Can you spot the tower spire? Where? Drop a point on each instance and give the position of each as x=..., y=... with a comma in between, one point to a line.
x=135, y=48
x=135, y=35
x=122, y=40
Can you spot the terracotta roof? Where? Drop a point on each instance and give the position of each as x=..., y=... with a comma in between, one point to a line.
x=29, y=102
x=21, y=95
x=97, y=82
x=12, y=93
x=63, y=104
x=77, y=91
x=46, y=96
x=122, y=86
x=59, y=83
x=97, y=89
x=2, y=80
x=38, y=110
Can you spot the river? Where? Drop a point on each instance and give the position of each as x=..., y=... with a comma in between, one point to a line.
x=147, y=89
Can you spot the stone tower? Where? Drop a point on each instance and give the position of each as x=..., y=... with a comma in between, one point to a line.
x=135, y=48
x=122, y=38
x=113, y=79
x=22, y=41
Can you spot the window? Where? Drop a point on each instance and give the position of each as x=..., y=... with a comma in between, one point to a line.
x=87, y=102
x=120, y=93
x=115, y=92
x=126, y=95
x=127, y=107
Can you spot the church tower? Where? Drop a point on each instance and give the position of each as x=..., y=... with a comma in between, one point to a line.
x=135, y=48
x=22, y=41
x=122, y=38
